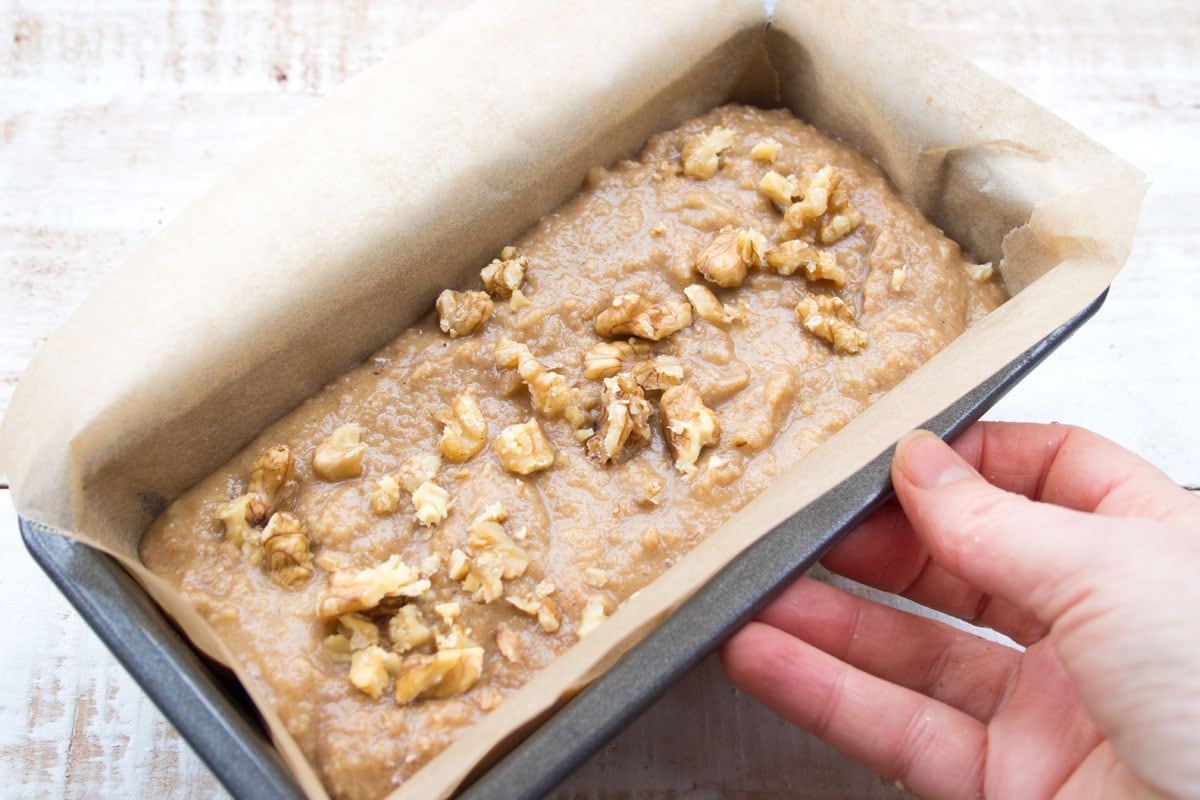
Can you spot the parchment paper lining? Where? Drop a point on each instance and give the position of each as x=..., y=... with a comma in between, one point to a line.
x=329, y=240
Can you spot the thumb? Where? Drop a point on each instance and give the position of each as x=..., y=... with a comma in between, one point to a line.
x=1036, y=555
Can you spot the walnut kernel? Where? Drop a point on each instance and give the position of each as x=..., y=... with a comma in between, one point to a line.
x=594, y=613
x=407, y=629
x=794, y=254
x=270, y=473
x=708, y=307
x=417, y=470
x=549, y=392
x=432, y=503
x=689, y=426
x=465, y=432
x=524, y=449
x=766, y=150
x=340, y=456
x=504, y=276
x=463, y=313
x=370, y=670
x=658, y=373
x=608, y=358
x=354, y=589
x=778, y=189
x=634, y=315
x=385, y=496
x=700, y=155
x=624, y=419
x=832, y=320
x=443, y=674
x=285, y=540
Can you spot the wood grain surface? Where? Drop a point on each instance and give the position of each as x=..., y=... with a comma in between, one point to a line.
x=114, y=116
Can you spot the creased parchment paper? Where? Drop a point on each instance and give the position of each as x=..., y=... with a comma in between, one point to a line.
x=337, y=234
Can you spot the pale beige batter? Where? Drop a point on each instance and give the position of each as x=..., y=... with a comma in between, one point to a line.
x=707, y=313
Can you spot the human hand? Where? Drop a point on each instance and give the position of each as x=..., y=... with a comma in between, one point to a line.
x=1074, y=548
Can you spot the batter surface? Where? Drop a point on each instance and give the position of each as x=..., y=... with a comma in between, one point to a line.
x=410, y=545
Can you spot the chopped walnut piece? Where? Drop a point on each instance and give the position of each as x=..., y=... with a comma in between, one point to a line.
x=831, y=319
x=362, y=589
x=370, y=670
x=518, y=301
x=594, y=612
x=608, y=358
x=840, y=224
x=980, y=273
x=550, y=393
x=815, y=196
x=899, y=276
x=778, y=189
x=385, y=496
x=658, y=373
x=624, y=419
x=548, y=616
x=270, y=473
x=407, y=629
x=708, y=307
x=766, y=150
x=689, y=425
x=825, y=204
x=458, y=566
x=340, y=456
x=359, y=631
x=726, y=260
x=818, y=265
x=465, y=432
x=504, y=276
x=431, y=502
x=495, y=557
x=508, y=643
x=463, y=313
x=443, y=674
x=524, y=449
x=240, y=515
x=417, y=470
x=700, y=156
x=634, y=315
x=285, y=540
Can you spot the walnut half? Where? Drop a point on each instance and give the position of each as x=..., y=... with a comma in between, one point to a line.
x=285, y=540
x=353, y=589
x=726, y=260
x=634, y=315
x=689, y=426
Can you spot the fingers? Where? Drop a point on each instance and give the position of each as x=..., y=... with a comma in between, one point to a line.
x=935, y=750
x=997, y=540
x=884, y=553
x=1073, y=468
x=946, y=664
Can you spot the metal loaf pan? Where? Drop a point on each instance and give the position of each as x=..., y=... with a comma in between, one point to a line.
x=208, y=708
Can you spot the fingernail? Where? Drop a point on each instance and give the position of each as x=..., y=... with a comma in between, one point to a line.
x=926, y=461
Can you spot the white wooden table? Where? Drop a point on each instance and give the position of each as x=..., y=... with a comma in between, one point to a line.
x=113, y=119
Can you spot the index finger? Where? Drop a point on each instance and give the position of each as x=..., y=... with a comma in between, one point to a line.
x=1071, y=467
